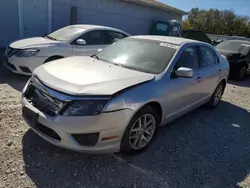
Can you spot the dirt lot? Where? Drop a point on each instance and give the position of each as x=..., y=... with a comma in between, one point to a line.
x=204, y=149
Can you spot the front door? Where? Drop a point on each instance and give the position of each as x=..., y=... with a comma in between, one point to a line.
x=184, y=93
x=95, y=40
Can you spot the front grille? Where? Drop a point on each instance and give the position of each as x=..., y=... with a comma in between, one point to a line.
x=43, y=102
x=12, y=51
x=11, y=66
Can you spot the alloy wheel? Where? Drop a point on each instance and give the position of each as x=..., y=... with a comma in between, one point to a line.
x=217, y=95
x=242, y=72
x=142, y=131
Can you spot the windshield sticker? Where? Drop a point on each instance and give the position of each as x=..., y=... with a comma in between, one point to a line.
x=169, y=45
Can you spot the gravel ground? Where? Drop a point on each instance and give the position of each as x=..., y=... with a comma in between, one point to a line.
x=204, y=149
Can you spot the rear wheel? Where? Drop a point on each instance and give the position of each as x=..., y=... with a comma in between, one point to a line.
x=140, y=131
x=242, y=73
x=216, y=97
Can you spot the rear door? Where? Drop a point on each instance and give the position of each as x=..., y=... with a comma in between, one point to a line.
x=209, y=70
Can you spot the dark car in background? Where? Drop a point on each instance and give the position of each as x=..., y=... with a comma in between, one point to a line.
x=237, y=53
x=196, y=35
x=173, y=28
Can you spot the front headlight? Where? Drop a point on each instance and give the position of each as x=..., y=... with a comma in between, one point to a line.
x=27, y=53
x=85, y=108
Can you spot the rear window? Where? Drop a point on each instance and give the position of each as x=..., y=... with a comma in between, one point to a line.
x=162, y=27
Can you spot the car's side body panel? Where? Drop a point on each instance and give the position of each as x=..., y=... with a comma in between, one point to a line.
x=178, y=96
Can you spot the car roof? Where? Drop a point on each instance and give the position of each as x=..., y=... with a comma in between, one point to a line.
x=172, y=40
x=88, y=27
x=242, y=41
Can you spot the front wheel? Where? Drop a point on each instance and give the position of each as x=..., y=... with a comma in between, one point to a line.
x=140, y=131
x=241, y=74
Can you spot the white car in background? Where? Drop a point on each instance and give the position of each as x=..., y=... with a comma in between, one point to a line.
x=25, y=55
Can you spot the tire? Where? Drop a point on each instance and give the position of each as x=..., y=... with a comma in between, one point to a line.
x=136, y=139
x=241, y=73
x=52, y=58
x=216, y=97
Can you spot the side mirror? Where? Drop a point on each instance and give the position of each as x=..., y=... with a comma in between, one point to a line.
x=184, y=72
x=80, y=41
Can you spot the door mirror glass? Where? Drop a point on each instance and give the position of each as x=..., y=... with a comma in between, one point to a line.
x=81, y=42
x=184, y=72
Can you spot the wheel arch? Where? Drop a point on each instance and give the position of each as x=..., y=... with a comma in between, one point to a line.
x=53, y=57
x=153, y=104
x=224, y=82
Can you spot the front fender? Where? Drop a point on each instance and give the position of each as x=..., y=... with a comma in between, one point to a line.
x=56, y=50
x=132, y=98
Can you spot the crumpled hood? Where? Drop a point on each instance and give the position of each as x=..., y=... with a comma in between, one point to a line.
x=232, y=55
x=88, y=76
x=35, y=42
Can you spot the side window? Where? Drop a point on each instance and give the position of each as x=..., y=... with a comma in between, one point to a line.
x=207, y=57
x=94, y=38
x=188, y=58
x=112, y=37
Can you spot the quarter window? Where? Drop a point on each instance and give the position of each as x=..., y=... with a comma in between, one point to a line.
x=207, y=57
x=112, y=37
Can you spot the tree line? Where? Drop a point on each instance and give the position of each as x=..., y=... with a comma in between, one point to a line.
x=220, y=22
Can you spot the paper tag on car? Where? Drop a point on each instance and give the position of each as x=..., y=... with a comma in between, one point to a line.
x=169, y=45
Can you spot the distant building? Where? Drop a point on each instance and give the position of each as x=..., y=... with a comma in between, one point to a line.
x=28, y=18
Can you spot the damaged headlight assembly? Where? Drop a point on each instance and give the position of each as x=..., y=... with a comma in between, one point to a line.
x=85, y=107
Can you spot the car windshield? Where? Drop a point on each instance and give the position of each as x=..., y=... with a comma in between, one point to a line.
x=66, y=33
x=139, y=54
x=234, y=46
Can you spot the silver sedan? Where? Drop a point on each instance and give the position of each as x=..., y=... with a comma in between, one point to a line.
x=116, y=99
